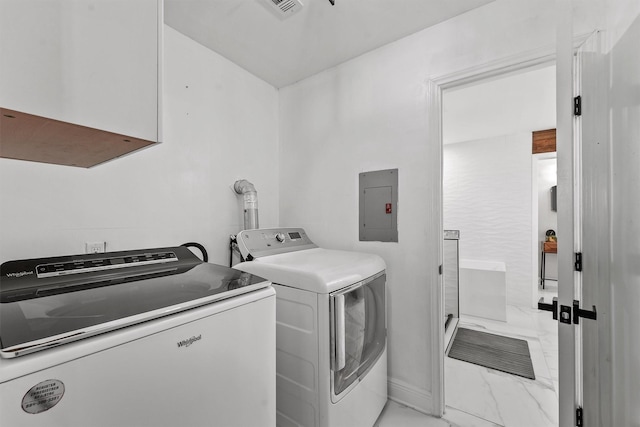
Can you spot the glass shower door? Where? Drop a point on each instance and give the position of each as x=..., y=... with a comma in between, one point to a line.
x=358, y=332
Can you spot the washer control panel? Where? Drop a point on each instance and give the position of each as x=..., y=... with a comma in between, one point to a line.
x=272, y=241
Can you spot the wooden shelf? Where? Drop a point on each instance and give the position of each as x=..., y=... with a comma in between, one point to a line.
x=39, y=139
x=544, y=141
x=550, y=247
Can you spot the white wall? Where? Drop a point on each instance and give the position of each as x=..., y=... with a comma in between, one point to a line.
x=547, y=219
x=220, y=126
x=487, y=196
x=625, y=231
x=371, y=113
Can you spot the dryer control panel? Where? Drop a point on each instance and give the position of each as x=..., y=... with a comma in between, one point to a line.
x=272, y=241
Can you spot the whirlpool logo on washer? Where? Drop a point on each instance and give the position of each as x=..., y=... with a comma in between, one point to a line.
x=19, y=273
x=189, y=341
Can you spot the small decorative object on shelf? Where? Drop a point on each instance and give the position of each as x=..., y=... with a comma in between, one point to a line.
x=551, y=236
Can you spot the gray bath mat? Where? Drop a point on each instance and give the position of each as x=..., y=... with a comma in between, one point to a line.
x=504, y=354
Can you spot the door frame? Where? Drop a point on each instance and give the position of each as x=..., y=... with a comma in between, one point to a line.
x=543, y=56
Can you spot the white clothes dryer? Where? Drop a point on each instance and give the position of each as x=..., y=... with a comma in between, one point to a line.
x=331, y=358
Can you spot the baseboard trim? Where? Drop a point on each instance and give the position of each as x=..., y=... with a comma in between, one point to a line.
x=409, y=395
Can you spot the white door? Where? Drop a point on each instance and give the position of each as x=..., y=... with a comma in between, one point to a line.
x=592, y=132
x=624, y=112
x=583, y=246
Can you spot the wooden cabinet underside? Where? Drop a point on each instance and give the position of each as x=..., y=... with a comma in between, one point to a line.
x=27, y=137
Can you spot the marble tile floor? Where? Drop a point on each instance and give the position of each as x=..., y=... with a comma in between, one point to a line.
x=478, y=396
x=397, y=415
x=504, y=399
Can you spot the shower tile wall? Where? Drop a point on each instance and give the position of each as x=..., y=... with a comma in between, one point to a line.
x=487, y=196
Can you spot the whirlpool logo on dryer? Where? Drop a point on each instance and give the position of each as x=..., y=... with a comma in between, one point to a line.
x=189, y=341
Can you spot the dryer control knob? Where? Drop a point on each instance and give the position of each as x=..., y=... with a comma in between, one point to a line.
x=280, y=237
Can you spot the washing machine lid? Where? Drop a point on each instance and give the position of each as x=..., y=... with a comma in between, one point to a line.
x=47, y=302
x=317, y=270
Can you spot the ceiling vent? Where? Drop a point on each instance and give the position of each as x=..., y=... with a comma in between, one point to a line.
x=285, y=8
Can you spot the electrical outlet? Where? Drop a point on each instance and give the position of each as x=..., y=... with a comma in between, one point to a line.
x=95, y=247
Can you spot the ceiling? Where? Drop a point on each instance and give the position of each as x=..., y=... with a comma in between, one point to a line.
x=281, y=51
x=524, y=101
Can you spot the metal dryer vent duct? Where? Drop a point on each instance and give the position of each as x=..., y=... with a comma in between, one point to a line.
x=250, y=198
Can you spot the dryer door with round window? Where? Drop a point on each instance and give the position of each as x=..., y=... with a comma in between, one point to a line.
x=358, y=332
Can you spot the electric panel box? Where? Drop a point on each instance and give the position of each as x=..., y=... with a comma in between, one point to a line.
x=378, y=205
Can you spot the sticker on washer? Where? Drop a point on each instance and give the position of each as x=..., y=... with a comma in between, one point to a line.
x=43, y=396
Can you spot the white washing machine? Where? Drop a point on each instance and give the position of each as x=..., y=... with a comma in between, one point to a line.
x=331, y=360
x=138, y=338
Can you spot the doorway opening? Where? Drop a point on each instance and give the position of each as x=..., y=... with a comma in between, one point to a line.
x=495, y=200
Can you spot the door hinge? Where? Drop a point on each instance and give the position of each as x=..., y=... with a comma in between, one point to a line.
x=578, y=312
x=440, y=269
x=578, y=417
x=578, y=261
x=577, y=106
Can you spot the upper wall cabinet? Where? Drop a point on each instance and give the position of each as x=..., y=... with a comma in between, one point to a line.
x=79, y=79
